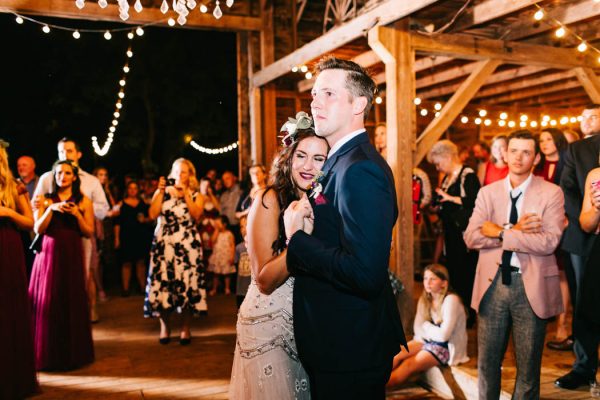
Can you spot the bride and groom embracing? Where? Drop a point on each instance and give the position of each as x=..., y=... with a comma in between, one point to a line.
x=319, y=320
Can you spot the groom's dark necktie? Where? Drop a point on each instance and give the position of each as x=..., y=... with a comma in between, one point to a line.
x=507, y=255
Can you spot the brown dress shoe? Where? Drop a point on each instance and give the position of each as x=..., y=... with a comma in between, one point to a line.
x=561, y=345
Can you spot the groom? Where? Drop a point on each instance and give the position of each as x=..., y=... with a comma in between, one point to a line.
x=346, y=322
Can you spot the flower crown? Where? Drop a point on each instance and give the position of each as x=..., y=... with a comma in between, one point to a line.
x=302, y=121
x=4, y=143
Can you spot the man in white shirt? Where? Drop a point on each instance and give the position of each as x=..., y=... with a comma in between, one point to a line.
x=516, y=226
x=68, y=149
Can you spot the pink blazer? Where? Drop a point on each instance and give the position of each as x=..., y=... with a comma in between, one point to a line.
x=534, y=250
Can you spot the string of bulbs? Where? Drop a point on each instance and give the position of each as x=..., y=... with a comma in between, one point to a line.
x=102, y=151
x=562, y=30
x=220, y=150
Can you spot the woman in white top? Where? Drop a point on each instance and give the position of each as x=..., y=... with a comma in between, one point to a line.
x=440, y=329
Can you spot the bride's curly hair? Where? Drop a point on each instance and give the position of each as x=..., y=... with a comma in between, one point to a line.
x=282, y=183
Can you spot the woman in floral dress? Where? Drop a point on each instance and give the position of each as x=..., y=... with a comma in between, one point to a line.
x=176, y=280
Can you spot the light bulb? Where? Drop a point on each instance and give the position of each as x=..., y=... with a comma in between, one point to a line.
x=107, y=35
x=203, y=9
x=171, y=22
x=139, y=31
x=544, y=123
x=511, y=124
x=121, y=95
x=46, y=29
x=572, y=120
x=130, y=35
x=229, y=3
x=482, y=113
x=308, y=75
x=303, y=68
x=122, y=82
x=378, y=100
x=501, y=122
x=191, y=4
x=80, y=4
x=102, y=3
x=538, y=15
x=522, y=124
x=533, y=124
x=560, y=32
x=126, y=69
x=424, y=112
x=217, y=13
x=417, y=101
x=437, y=114
x=487, y=122
x=464, y=119
x=76, y=35
x=138, y=6
x=546, y=118
x=112, y=129
x=503, y=115
x=181, y=20
x=164, y=7
x=437, y=106
x=294, y=69
x=119, y=105
x=553, y=122
x=477, y=121
x=115, y=122
x=116, y=114
x=582, y=47
x=129, y=53
x=524, y=117
x=19, y=20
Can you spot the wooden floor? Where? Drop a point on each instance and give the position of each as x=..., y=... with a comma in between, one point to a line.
x=130, y=364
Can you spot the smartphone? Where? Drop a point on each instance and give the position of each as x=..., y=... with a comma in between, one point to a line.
x=171, y=182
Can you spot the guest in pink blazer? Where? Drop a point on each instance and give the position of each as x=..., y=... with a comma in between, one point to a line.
x=516, y=225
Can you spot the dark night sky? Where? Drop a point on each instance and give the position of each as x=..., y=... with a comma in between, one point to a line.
x=55, y=86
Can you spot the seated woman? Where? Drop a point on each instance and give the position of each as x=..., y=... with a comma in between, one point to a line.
x=440, y=329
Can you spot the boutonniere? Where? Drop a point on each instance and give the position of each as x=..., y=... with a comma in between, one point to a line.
x=316, y=189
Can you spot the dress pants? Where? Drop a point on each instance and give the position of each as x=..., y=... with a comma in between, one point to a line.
x=369, y=384
x=502, y=309
x=586, y=336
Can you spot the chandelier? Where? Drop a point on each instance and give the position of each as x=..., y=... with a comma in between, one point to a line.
x=181, y=7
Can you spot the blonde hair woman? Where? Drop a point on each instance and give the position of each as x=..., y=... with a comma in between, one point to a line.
x=440, y=329
x=17, y=369
x=176, y=280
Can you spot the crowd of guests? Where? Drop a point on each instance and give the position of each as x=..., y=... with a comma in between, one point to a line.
x=518, y=240
x=59, y=232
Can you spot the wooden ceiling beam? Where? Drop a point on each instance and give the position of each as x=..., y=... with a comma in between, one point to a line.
x=453, y=108
x=525, y=84
x=470, y=47
x=566, y=14
x=487, y=11
x=383, y=14
x=92, y=12
x=523, y=94
x=549, y=98
x=495, y=78
x=590, y=83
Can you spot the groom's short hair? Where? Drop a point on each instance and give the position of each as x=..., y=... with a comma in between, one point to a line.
x=358, y=81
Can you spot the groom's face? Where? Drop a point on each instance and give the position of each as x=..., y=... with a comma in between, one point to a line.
x=332, y=107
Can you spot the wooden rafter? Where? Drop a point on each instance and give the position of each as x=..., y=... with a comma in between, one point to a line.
x=524, y=84
x=542, y=90
x=470, y=47
x=385, y=13
x=566, y=14
x=487, y=11
x=454, y=107
x=590, y=83
x=67, y=9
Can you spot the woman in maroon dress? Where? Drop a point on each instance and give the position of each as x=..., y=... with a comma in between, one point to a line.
x=17, y=372
x=61, y=322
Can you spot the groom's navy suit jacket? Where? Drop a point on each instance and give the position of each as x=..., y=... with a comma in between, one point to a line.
x=345, y=314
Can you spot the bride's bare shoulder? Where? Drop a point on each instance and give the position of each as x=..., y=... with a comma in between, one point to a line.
x=266, y=199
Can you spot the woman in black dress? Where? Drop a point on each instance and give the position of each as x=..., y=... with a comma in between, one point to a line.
x=456, y=198
x=131, y=237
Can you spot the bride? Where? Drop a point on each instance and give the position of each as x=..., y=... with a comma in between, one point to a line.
x=266, y=364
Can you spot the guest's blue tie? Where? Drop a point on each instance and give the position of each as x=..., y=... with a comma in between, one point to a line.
x=507, y=255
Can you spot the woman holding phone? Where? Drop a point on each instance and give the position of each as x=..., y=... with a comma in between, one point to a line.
x=61, y=322
x=176, y=280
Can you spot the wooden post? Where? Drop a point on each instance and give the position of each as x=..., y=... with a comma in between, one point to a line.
x=590, y=83
x=455, y=105
x=393, y=46
x=269, y=91
x=244, y=139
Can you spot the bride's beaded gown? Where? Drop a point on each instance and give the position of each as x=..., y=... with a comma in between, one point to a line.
x=266, y=364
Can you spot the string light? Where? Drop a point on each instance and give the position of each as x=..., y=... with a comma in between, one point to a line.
x=378, y=100
x=538, y=15
x=303, y=68
x=482, y=113
x=511, y=124
x=46, y=29
x=464, y=119
x=582, y=47
x=294, y=69
x=437, y=106
x=102, y=151
x=417, y=101
x=308, y=75
x=207, y=150
x=560, y=32
x=19, y=20
x=477, y=121
x=503, y=115
x=76, y=35
x=424, y=112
